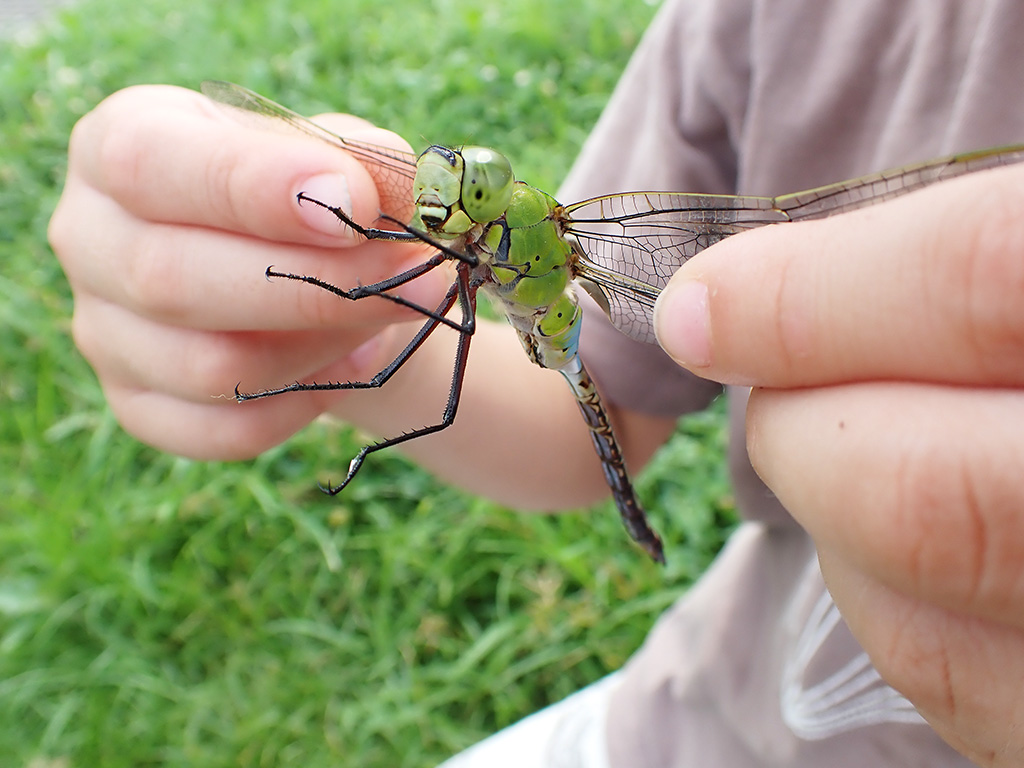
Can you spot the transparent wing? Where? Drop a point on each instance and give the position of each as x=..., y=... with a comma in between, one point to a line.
x=392, y=169
x=628, y=246
x=879, y=187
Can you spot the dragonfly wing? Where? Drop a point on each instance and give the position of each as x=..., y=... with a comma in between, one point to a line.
x=628, y=246
x=879, y=187
x=392, y=169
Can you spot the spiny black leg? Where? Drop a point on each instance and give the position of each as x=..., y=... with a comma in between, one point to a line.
x=467, y=299
x=434, y=319
x=370, y=233
x=379, y=288
x=373, y=289
x=462, y=327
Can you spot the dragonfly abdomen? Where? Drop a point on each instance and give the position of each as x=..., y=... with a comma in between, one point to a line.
x=612, y=461
x=551, y=340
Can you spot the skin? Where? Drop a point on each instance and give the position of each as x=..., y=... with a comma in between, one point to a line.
x=885, y=348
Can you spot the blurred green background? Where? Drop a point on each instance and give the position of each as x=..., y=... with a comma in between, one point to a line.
x=158, y=611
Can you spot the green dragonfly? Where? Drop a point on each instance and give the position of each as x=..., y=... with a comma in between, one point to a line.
x=528, y=252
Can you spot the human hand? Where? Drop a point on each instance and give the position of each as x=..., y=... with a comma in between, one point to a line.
x=886, y=348
x=170, y=214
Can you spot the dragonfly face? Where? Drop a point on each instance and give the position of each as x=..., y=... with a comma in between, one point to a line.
x=455, y=189
x=437, y=191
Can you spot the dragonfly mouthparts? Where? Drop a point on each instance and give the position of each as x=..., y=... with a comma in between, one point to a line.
x=433, y=213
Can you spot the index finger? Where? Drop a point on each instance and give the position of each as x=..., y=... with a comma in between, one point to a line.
x=170, y=155
x=929, y=287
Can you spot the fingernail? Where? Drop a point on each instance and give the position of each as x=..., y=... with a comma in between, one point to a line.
x=330, y=189
x=682, y=322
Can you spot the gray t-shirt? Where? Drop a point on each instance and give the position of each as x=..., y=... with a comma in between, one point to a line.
x=767, y=97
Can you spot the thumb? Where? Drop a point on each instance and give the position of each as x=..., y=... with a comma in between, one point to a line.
x=927, y=287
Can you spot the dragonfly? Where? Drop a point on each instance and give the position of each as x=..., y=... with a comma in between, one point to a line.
x=529, y=253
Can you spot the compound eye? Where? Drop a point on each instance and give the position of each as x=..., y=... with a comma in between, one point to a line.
x=486, y=184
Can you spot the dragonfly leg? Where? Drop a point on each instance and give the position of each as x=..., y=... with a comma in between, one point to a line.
x=370, y=233
x=467, y=299
x=373, y=289
x=464, y=326
x=435, y=318
x=379, y=288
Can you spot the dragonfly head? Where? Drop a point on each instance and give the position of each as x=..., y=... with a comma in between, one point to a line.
x=438, y=186
x=455, y=188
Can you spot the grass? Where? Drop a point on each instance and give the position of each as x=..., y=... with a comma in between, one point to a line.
x=158, y=611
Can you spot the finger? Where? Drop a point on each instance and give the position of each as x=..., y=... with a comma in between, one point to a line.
x=220, y=429
x=197, y=365
x=925, y=287
x=207, y=278
x=169, y=154
x=918, y=485
x=952, y=667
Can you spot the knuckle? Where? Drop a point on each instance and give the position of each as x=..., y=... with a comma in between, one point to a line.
x=88, y=341
x=225, y=189
x=211, y=366
x=796, y=303
x=990, y=281
x=153, y=280
x=946, y=525
x=928, y=489
x=116, y=141
x=120, y=157
x=915, y=659
x=914, y=498
x=791, y=326
x=59, y=230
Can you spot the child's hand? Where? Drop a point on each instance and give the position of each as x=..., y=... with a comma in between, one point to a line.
x=886, y=348
x=171, y=213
